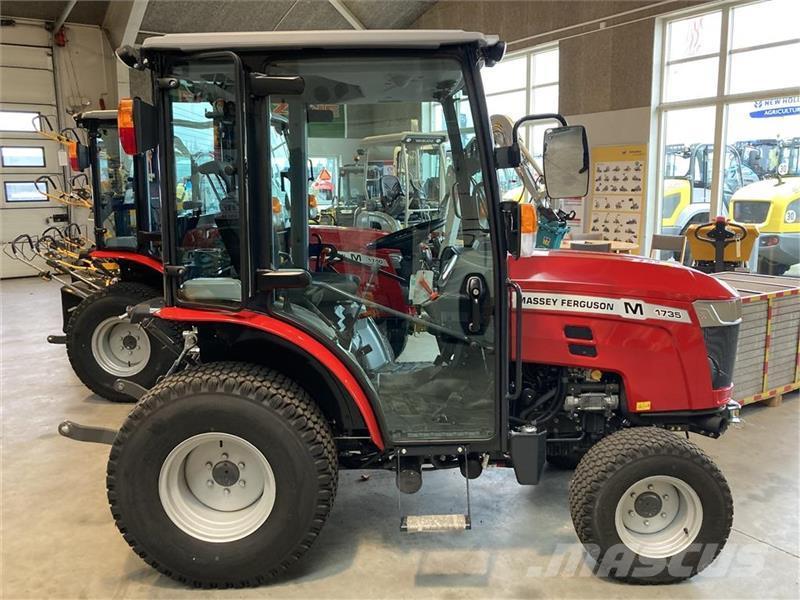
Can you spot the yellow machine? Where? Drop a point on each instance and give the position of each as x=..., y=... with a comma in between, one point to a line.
x=720, y=245
x=774, y=206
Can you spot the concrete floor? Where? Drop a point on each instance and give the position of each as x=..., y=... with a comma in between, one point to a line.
x=59, y=541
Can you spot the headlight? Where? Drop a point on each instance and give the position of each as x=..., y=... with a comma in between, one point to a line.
x=718, y=313
x=791, y=216
x=720, y=321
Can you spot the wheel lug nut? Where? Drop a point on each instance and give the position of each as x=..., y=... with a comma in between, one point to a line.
x=630, y=513
x=224, y=456
x=663, y=515
x=209, y=466
x=241, y=465
x=226, y=491
x=633, y=494
x=646, y=523
x=666, y=497
x=242, y=483
x=650, y=487
x=210, y=483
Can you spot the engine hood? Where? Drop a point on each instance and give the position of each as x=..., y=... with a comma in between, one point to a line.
x=596, y=273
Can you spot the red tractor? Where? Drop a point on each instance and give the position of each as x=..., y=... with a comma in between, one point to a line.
x=225, y=472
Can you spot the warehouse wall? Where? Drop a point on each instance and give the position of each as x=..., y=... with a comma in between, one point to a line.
x=85, y=70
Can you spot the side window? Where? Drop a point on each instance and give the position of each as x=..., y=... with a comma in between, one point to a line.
x=117, y=203
x=205, y=156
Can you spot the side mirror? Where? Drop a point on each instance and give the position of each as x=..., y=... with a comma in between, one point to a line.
x=268, y=85
x=510, y=157
x=566, y=162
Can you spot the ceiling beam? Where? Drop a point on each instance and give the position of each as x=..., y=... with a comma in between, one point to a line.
x=342, y=9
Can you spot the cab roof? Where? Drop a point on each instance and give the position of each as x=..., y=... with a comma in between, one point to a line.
x=268, y=40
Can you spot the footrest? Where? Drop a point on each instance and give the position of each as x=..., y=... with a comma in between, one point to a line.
x=421, y=523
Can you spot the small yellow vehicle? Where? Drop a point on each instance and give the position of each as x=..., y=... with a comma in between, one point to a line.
x=774, y=206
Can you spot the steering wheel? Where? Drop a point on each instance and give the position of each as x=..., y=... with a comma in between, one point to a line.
x=403, y=239
x=712, y=232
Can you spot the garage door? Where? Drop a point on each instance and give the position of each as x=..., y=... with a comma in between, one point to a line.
x=27, y=89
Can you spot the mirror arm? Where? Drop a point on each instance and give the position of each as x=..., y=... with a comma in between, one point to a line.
x=541, y=117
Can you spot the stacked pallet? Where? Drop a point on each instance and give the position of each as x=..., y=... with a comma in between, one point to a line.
x=768, y=355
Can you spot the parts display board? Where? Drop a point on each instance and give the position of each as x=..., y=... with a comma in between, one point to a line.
x=617, y=206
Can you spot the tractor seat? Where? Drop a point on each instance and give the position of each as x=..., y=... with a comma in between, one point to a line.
x=126, y=242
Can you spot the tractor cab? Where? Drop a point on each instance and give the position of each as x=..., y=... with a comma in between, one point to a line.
x=687, y=184
x=437, y=277
x=126, y=195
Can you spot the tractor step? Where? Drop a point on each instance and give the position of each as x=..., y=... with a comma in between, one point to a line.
x=409, y=482
x=423, y=523
x=56, y=339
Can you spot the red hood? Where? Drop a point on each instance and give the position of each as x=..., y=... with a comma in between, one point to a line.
x=597, y=273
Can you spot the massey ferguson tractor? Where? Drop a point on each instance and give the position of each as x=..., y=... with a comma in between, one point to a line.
x=225, y=471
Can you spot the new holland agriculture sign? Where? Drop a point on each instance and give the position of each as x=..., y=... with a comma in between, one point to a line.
x=776, y=107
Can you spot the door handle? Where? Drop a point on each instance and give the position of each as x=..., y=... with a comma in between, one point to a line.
x=475, y=292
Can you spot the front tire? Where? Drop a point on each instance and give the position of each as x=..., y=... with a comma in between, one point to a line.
x=650, y=507
x=102, y=348
x=250, y=424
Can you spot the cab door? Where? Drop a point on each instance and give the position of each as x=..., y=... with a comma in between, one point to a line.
x=414, y=313
x=202, y=170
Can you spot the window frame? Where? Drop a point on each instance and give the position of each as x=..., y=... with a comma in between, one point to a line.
x=12, y=166
x=34, y=115
x=7, y=200
x=529, y=84
x=720, y=101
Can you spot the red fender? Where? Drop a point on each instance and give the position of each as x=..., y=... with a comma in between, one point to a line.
x=141, y=259
x=296, y=337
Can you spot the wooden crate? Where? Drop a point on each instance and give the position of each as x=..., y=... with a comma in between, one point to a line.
x=768, y=355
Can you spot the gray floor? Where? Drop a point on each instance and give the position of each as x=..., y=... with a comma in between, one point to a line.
x=58, y=539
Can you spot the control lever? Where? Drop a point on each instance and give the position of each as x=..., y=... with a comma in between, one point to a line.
x=475, y=292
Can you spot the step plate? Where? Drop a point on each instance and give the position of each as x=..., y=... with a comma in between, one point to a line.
x=421, y=523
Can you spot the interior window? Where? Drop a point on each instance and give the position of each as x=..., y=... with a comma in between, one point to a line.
x=402, y=264
x=205, y=137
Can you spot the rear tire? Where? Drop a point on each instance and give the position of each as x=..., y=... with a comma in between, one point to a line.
x=650, y=507
x=96, y=341
x=257, y=409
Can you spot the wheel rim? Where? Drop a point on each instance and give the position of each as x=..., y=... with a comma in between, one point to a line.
x=659, y=516
x=120, y=347
x=217, y=487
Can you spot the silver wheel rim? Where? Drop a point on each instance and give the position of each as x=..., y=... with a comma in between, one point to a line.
x=217, y=487
x=659, y=516
x=120, y=348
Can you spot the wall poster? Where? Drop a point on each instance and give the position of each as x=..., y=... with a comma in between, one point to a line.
x=618, y=193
